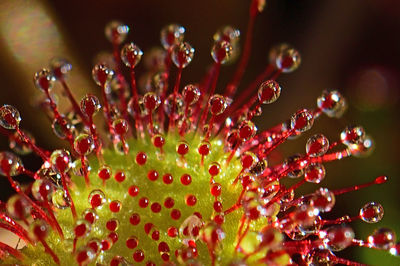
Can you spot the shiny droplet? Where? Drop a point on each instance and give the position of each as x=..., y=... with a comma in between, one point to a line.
x=314, y=173
x=332, y=103
x=317, y=145
x=371, y=212
x=191, y=94
x=269, y=92
x=285, y=58
x=302, y=120
x=131, y=55
x=323, y=199
x=339, y=237
x=172, y=34
x=61, y=161
x=60, y=67
x=9, y=164
x=90, y=105
x=116, y=31
x=182, y=54
x=352, y=135
x=217, y=104
x=222, y=52
x=228, y=34
x=84, y=144
x=102, y=74
x=44, y=79
x=9, y=117
x=382, y=238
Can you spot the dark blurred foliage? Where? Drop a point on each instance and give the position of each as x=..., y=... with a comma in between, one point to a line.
x=352, y=45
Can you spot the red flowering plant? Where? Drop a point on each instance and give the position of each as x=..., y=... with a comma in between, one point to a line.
x=182, y=175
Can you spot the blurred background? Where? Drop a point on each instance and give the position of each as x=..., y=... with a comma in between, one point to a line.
x=350, y=45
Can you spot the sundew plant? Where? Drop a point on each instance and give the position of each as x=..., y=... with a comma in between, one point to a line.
x=182, y=174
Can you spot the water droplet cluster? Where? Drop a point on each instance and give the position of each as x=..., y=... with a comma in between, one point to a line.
x=183, y=176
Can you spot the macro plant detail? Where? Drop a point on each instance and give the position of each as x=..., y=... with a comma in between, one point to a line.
x=182, y=174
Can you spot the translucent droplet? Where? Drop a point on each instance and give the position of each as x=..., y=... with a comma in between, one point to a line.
x=46, y=172
x=44, y=79
x=151, y=101
x=314, y=173
x=96, y=198
x=59, y=199
x=182, y=54
x=332, y=103
x=9, y=117
x=172, y=34
x=18, y=145
x=269, y=92
x=77, y=167
x=179, y=103
x=292, y=162
x=84, y=144
x=42, y=189
x=59, y=130
x=228, y=34
x=191, y=94
x=9, y=164
x=217, y=104
x=61, y=161
x=102, y=74
x=116, y=31
x=323, y=199
x=364, y=148
x=382, y=238
x=302, y=120
x=247, y=130
x=60, y=67
x=222, y=52
x=131, y=55
x=371, y=212
x=352, y=135
x=90, y=105
x=286, y=58
x=339, y=237
x=120, y=126
x=317, y=145
x=18, y=207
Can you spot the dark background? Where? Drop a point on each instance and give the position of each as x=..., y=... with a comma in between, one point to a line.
x=351, y=45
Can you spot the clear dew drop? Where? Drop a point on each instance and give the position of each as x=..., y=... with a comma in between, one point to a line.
x=59, y=199
x=102, y=75
x=58, y=129
x=364, y=148
x=9, y=117
x=314, y=173
x=222, y=52
x=292, y=162
x=302, y=120
x=172, y=34
x=42, y=189
x=317, y=145
x=352, y=135
x=339, y=237
x=287, y=58
x=61, y=161
x=382, y=238
x=191, y=94
x=18, y=207
x=332, y=103
x=371, y=212
x=228, y=34
x=269, y=91
x=131, y=55
x=9, y=164
x=60, y=67
x=182, y=54
x=217, y=104
x=84, y=144
x=90, y=105
x=323, y=199
x=116, y=31
x=44, y=79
